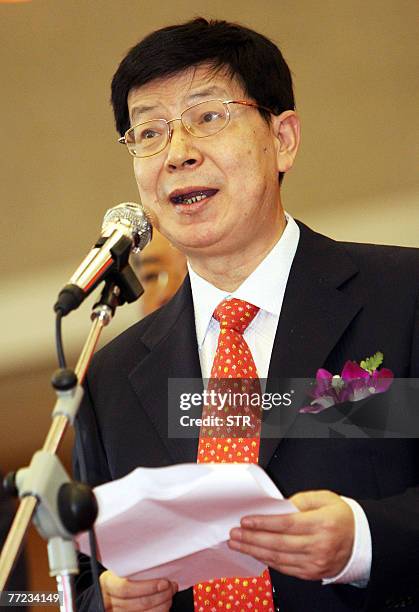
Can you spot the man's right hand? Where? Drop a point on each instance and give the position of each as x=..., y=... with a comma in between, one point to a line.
x=121, y=594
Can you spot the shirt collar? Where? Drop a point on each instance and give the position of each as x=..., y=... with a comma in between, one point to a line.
x=265, y=287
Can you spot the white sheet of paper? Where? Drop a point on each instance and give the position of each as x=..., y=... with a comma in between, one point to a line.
x=174, y=522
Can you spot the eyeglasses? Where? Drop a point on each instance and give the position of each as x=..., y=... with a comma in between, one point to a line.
x=201, y=120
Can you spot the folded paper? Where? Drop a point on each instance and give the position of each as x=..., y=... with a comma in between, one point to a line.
x=174, y=522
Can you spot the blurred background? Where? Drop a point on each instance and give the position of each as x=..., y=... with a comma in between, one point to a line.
x=356, y=74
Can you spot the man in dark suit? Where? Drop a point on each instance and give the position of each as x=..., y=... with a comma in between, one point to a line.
x=207, y=111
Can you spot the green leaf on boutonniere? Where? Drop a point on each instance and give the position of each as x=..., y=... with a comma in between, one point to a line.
x=370, y=364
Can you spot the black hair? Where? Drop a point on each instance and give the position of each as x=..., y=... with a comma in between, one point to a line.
x=248, y=56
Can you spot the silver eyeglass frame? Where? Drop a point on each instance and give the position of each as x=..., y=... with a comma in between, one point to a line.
x=123, y=139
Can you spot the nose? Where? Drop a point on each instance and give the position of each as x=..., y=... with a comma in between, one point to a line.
x=182, y=150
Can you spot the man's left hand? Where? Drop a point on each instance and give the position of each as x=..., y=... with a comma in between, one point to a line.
x=312, y=544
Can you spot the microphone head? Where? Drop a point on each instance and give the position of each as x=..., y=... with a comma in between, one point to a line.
x=133, y=217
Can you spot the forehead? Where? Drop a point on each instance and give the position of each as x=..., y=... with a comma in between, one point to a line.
x=182, y=89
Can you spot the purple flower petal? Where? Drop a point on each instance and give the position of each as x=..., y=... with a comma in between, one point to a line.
x=351, y=370
x=318, y=405
x=323, y=374
x=353, y=385
x=382, y=380
x=310, y=410
x=361, y=393
x=323, y=383
x=346, y=394
x=357, y=388
x=325, y=402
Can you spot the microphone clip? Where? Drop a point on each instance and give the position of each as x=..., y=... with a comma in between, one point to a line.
x=119, y=275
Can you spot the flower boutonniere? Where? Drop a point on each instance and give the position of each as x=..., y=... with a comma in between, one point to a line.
x=356, y=382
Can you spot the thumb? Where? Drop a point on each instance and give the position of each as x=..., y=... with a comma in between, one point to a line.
x=312, y=500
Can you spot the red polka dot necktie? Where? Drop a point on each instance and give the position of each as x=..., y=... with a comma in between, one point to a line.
x=233, y=370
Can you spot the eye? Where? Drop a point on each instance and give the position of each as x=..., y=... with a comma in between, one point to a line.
x=150, y=277
x=210, y=116
x=144, y=133
x=149, y=134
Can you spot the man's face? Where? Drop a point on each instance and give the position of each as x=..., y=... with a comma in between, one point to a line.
x=161, y=270
x=238, y=166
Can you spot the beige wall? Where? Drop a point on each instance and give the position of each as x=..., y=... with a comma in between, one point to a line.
x=356, y=75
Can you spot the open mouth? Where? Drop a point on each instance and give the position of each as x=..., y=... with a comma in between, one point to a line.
x=191, y=197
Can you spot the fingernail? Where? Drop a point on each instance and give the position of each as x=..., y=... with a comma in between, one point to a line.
x=162, y=585
x=247, y=522
x=236, y=533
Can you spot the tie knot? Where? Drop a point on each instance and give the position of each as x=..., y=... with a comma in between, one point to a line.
x=235, y=314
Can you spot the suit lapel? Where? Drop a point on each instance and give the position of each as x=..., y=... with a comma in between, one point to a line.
x=314, y=315
x=171, y=339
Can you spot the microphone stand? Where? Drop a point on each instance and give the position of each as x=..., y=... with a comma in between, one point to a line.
x=59, y=507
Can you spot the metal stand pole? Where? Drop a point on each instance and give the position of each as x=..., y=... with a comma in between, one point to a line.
x=61, y=550
x=38, y=496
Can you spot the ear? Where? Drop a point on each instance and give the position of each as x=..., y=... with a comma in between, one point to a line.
x=286, y=127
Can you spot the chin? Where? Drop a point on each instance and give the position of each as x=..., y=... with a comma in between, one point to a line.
x=194, y=238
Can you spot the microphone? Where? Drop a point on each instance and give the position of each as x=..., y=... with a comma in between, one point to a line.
x=125, y=228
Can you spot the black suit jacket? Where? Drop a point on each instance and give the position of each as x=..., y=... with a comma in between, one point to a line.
x=342, y=301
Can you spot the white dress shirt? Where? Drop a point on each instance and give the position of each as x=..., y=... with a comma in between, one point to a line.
x=265, y=288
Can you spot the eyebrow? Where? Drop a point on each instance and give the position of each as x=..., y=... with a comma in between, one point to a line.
x=210, y=91
x=151, y=259
x=137, y=111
